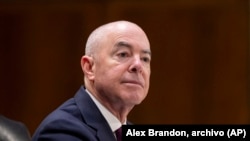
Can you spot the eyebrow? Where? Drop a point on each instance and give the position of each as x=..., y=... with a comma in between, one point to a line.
x=127, y=45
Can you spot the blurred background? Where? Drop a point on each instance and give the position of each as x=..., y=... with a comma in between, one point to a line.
x=200, y=62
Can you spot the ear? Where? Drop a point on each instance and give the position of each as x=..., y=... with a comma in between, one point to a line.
x=87, y=65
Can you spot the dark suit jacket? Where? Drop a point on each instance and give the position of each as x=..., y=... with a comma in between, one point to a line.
x=78, y=119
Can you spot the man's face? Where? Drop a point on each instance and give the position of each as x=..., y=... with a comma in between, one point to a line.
x=122, y=67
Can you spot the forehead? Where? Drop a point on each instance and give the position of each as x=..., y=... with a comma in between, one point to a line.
x=126, y=45
x=128, y=36
x=123, y=34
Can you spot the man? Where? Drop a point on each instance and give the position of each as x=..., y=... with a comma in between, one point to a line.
x=116, y=68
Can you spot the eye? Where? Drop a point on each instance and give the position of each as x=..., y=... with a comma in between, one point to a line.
x=123, y=54
x=146, y=59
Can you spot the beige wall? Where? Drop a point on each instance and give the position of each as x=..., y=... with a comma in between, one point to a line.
x=199, y=66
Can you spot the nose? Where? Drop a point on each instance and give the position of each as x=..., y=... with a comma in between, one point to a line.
x=136, y=65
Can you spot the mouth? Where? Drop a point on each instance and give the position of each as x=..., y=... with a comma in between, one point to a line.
x=133, y=83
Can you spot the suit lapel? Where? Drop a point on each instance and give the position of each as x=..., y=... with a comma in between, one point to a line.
x=93, y=116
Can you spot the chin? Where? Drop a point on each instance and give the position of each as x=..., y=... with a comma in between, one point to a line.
x=135, y=99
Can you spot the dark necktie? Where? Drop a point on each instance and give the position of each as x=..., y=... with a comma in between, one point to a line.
x=118, y=134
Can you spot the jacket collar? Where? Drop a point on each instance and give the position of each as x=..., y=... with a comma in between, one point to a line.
x=92, y=116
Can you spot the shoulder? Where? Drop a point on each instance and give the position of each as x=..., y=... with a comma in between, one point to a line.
x=68, y=121
x=65, y=123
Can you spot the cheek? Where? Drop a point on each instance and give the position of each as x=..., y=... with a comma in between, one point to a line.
x=109, y=72
x=147, y=80
x=147, y=74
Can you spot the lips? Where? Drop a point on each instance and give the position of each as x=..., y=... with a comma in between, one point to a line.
x=133, y=82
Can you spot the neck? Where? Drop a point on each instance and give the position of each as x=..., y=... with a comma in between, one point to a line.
x=117, y=108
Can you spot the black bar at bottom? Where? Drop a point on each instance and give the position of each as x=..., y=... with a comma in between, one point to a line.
x=186, y=132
